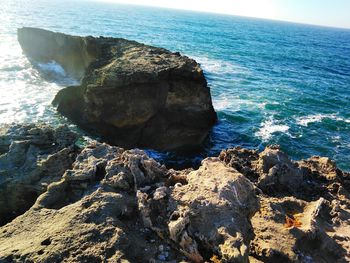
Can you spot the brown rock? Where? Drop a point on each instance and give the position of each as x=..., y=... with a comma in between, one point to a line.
x=131, y=94
x=209, y=215
x=304, y=214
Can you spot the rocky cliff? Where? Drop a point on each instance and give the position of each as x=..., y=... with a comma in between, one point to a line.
x=131, y=94
x=116, y=205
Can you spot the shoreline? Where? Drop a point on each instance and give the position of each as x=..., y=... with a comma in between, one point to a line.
x=67, y=198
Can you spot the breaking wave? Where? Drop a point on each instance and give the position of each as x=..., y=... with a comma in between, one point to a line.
x=269, y=127
x=306, y=120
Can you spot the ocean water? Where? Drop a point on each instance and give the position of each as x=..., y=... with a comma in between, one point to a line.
x=271, y=82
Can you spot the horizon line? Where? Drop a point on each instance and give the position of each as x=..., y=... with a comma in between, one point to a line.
x=220, y=13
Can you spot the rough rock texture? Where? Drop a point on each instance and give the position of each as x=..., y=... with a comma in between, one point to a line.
x=31, y=157
x=90, y=215
x=207, y=214
x=116, y=205
x=305, y=206
x=131, y=94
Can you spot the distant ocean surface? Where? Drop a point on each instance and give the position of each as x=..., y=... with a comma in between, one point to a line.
x=271, y=82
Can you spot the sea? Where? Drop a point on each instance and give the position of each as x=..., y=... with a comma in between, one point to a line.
x=271, y=82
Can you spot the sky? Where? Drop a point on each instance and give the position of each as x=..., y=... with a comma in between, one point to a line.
x=334, y=13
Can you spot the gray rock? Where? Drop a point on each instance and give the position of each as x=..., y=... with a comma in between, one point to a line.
x=211, y=211
x=33, y=157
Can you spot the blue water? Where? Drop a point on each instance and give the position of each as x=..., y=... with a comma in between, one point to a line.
x=271, y=82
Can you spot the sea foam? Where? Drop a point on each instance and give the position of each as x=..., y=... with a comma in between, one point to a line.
x=52, y=67
x=269, y=127
x=306, y=120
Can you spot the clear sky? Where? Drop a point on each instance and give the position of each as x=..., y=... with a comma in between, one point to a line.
x=334, y=13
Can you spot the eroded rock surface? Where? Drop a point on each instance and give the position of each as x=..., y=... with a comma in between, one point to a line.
x=131, y=94
x=90, y=215
x=305, y=206
x=31, y=157
x=116, y=205
x=208, y=214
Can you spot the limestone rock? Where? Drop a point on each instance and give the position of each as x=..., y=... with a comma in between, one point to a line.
x=32, y=157
x=86, y=216
x=117, y=205
x=131, y=94
x=209, y=215
x=305, y=206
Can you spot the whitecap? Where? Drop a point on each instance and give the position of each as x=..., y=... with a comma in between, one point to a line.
x=232, y=102
x=269, y=127
x=336, y=139
x=306, y=120
x=216, y=66
x=222, y=103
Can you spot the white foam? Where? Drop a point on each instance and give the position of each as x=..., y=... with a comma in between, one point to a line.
x=217, y=66
x=53, y=67
x=269, y=127
x=306, y=120
x=336, y=139
x=222, y=103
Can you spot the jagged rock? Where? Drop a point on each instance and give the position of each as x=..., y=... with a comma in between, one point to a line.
x=32, y=157
x=87, y=216
x=305, y=206
x=208, y=215
x=131, y=94
x=105, y=207
x=116, y=205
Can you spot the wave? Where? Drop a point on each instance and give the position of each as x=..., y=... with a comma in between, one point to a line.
x=269, y=127
x=306, y=120
x=52, y=71
x=52, y=67
x=230, y=102
x=220, y=67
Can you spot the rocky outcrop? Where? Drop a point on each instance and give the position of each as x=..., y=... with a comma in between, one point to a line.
x=31, y=157
x=131, y=94
x=116, y=205
x=207, y=213
x=90, y=215
x=305, y=205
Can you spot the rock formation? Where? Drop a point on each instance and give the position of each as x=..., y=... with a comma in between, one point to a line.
x=116, y=205
x=305, y=205
x=131, y=94
x=121, y=205
x=31, y=157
